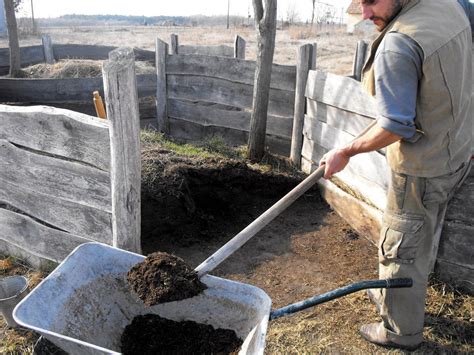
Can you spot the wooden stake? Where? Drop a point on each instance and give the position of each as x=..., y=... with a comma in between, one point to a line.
x=99, y=105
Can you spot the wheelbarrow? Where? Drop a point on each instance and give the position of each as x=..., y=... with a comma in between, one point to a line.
x=84, y=305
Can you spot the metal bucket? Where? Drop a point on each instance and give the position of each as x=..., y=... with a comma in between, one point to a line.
x=84, y=305
x=12, y=291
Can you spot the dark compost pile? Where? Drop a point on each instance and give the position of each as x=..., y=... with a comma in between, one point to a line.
x=162, y=277
x=151, y=334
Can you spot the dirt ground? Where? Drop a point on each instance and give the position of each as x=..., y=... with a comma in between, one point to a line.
x=192, y=206
x=306, y=251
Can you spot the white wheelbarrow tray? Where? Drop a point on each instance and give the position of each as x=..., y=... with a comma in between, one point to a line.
x=84, y=305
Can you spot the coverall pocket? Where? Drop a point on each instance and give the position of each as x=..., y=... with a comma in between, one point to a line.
x=400, y=238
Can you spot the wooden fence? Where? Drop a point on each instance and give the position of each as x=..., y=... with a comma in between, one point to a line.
x=48, y=52
x=237, y=51
x=338, y=110
x=201, y=96
x=68, y=178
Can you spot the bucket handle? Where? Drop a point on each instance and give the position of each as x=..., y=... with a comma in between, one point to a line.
x=340, y=292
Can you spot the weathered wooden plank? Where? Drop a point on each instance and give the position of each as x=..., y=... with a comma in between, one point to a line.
x=303, y=66
x=339, y=91
x=38, y=239
x=25, y=256
x=68, y=180
x=359, y=59
x=367, y=190
x=456, y=244
x=232, y=69
x=81, y=51
x=454, y=274
x=48, y=49
x=217, y=50
x=61, y=132
x=198, y=88
x=65, y=215
x=239, y=47
x=365, y=219
x=121, y=99
x=372, y=166
x=63, y=90
x=461, y=206
x=349, y=122
x=212, y=115
x=29, y=55
x=193, y=132
x=161, y=89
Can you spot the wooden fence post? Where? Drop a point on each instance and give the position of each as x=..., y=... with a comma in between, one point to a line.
x=161, y=90
x=359, y=60
x=239, y=47
x=48, y=49
x=121, y=98
x=174, y=44
x=305, y=61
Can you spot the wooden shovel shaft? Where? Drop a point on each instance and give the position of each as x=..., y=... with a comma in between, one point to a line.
x=269, y=215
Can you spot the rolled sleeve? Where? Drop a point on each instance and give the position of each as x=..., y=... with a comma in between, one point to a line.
x=397, y=73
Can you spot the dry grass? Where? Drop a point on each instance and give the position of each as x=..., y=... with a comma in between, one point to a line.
x=333, y=327
x=335, y=46
x=18, y=341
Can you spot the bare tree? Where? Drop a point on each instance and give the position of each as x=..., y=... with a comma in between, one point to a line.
x=265, y=22
x=15, y=61
x=312, y=13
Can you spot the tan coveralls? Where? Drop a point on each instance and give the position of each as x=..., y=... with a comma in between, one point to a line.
x=425, y=173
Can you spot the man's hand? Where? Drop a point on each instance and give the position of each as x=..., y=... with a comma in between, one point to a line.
x=335, y=160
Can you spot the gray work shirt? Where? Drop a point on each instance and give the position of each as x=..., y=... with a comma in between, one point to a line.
x=398, y=69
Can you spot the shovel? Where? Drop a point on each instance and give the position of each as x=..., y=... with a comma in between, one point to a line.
x=269, y=215
x=253, y=228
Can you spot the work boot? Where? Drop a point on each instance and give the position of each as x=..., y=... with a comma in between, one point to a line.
x=377, y=334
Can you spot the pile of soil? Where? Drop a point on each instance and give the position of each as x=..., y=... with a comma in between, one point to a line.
x=151, y=334
x=188, y=200
x=163, y=277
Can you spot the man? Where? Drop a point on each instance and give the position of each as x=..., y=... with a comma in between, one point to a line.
x=420, y=73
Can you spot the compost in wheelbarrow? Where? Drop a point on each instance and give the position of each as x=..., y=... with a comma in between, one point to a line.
x=84, y=305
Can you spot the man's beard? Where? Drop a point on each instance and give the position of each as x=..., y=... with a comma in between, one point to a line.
x=384, y=21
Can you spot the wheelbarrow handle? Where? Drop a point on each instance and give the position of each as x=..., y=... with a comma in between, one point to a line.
x=337, y=293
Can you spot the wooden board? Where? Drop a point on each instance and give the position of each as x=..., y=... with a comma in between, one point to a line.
x=47, y=175
x=454, y=274
x=342, y=92
x=61, y=132
x=38, y=239
x=367, y=190
x=62, y=214
x=193, y=132
x=346, y=121
x=456, y=244
x=212, y=115
x=371, y=165
x=198, y=88
x=461, y=206
x=232, y=69
x=63, y=90
x=29, y=55
x=366, y=220
x=221, y=50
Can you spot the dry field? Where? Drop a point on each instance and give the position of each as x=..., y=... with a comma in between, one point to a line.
x=335, y=47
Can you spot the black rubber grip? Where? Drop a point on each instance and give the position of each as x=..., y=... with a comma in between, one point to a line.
x=398, y=283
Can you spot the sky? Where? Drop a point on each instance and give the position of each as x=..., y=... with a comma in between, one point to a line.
x=55, y=8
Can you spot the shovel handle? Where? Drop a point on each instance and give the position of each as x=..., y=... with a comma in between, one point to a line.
x=269, y=215
x=340, y=292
